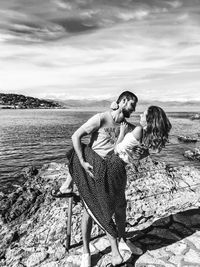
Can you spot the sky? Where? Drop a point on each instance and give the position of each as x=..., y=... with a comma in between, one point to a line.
x=95, y=49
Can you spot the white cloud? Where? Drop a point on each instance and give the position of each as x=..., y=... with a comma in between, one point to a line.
x=129, y=15
x=154, y=57
x=182, y=18
x=63, y=5
x=175, y=4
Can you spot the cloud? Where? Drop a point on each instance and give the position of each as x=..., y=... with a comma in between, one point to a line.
x=75, y=25
x=98, y=48
x=128, y=15
x=53, y=19
x=63, y=5
x=174, y=4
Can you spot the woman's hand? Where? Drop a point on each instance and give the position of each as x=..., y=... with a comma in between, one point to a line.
x=123, y=127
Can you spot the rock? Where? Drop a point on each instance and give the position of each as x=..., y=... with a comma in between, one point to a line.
x=147, y=258
x=194, y=255
x=33, y=224
x=161, y=192
x=193, y=154
x=57, y=253
x=50, y=264
x=36, y=258
x=178, y=249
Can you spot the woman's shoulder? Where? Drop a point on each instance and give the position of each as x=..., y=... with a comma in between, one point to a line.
x=138, y=132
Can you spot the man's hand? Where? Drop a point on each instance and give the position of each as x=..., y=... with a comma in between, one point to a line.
x=88, y=168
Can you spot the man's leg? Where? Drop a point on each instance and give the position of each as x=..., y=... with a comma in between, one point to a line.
x=86, y=231
x=67, y=185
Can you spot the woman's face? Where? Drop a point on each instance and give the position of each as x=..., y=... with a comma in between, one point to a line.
x=143, y=119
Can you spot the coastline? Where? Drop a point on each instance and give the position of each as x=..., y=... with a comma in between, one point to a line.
x=33, y=223
x=25, y=108
x=35, y=137
x=141, y=108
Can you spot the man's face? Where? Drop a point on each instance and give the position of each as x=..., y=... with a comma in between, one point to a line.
x=129, y=107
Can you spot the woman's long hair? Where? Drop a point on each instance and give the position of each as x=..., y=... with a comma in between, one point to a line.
x=158, y=126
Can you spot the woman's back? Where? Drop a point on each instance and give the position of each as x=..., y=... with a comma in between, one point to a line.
x=125, y=148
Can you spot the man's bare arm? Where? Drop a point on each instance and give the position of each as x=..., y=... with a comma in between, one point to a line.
x=76, y=140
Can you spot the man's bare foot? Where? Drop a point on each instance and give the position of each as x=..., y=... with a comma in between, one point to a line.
x=116, y=260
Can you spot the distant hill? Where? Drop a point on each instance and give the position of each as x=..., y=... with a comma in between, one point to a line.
x=71, y=103
x=15, y=101
x=141, y=106
x=22, y=102
x=173, y=106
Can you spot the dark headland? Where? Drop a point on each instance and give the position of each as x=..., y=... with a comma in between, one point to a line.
x=16, y=101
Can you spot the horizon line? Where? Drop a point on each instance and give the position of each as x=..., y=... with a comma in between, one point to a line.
x=78, y=98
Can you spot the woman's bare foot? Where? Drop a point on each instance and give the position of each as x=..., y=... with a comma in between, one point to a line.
x=129, y=246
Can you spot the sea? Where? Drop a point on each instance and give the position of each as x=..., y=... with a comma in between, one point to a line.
x=34, y=137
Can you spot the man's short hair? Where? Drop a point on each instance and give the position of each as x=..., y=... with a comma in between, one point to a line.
x=128, y=95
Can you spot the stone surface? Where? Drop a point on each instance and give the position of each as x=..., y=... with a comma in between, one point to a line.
x=162, y=219
x=193, y=154
x=36, y=259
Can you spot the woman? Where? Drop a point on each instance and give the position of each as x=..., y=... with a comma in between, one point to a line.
x=103, y=193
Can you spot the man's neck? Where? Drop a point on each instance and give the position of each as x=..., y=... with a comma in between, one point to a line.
x=117, y=116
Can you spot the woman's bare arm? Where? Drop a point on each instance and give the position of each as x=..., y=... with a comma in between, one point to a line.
x=138, y=133
x=123, y=127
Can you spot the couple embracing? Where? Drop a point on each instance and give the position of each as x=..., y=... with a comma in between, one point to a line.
x=98, y=169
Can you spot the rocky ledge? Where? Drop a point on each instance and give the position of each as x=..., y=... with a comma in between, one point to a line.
x=193, y=154
x=33, y=224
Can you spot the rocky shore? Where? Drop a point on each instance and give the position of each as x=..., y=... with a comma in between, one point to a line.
x=193, y=154
x=162, y=211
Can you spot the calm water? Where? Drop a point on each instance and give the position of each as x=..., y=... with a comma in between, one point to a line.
x=35, y=137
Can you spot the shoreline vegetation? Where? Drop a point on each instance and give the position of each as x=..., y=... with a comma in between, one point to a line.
x=15, y=101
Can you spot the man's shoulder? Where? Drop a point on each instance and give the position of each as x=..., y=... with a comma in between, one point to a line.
x=96, y=121
x=104, y=116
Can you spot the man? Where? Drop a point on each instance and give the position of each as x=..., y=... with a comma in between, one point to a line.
x=104, y=130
